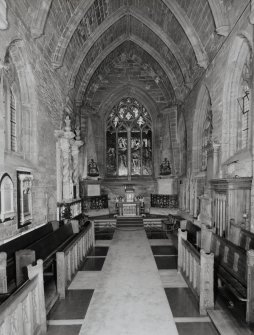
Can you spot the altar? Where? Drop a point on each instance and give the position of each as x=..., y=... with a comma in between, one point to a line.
x=129, y=205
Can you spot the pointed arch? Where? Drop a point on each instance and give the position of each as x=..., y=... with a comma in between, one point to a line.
x=145, y=99
x=189, y=30
x=28, y=102
x=240, y=50
x=84, y=5
x=71, y=26
x=111, y=20
x=176, y=85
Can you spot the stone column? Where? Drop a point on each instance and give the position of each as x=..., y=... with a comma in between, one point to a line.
x=213, y=160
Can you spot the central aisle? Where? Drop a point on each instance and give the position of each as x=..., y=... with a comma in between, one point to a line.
x=130, y=298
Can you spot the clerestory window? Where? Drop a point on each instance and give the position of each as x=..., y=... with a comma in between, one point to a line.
x=129, y=140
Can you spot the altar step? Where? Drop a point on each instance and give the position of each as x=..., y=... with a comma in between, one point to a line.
x=123, y=222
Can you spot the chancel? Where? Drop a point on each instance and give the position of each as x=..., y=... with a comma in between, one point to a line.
x=126, y=167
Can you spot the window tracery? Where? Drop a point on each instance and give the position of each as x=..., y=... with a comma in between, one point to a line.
x=129, y=139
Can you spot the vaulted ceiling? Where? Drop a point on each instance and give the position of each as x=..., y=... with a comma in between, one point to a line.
x=160, y=46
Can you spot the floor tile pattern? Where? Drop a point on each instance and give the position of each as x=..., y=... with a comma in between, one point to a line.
x=131, y=299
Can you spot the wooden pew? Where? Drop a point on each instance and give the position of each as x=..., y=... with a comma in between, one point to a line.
x=193, y=232
x=234, y=268
x=24, y=311
x=22, y=242
x=172, y=223
x=197, y=269
x=46, y=247
x=241, y=237
x=246, y=240
x=71, y=257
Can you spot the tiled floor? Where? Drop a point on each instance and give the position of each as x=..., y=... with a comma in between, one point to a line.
x=98, y=251
x=93, y=264
x=166, y=262
x=74, y=306
x=164, y=250
x=63, y=330
x=67, y=316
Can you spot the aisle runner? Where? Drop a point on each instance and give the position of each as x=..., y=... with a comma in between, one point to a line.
x=130, y=299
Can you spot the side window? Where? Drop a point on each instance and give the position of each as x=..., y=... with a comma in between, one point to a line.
x=13, y=122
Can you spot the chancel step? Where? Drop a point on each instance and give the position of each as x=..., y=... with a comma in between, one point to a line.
x=129, y=222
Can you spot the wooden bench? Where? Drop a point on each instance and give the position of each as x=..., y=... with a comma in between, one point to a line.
x=71, y=257
x=197, y=269
x=47, y=247
x=234, y=268
x=9, y=249
x=172, y=223
x=193, y=232
x=246, y=240
x=24, y=311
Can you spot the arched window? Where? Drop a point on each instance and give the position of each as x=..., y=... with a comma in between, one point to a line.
x=244, y=107
x=13, y=122
x=236, y=100
x=129, y=140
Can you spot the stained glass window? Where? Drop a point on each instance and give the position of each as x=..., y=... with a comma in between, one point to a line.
x=129, y=139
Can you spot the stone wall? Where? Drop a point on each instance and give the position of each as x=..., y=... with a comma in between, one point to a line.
x=40, y=106
x=215, y=81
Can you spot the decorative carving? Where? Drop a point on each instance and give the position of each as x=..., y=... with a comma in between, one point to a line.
x=165, y=168
x=93, y=169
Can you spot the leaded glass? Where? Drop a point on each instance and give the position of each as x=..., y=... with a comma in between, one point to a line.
x=129, y=139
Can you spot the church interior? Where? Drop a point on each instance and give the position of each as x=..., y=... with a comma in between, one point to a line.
x=126, y=167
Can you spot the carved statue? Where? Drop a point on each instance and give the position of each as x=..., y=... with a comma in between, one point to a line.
x=93, y=169
x=165, y=168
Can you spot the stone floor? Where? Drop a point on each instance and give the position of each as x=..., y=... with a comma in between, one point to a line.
x=129, y=285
